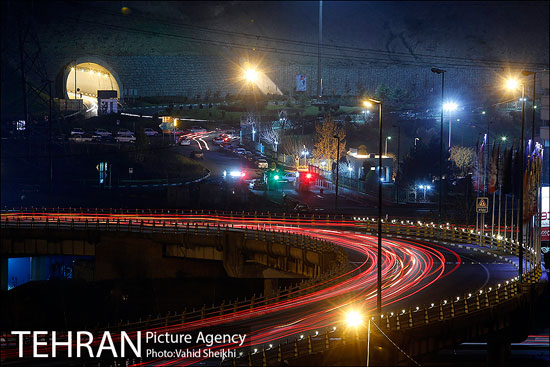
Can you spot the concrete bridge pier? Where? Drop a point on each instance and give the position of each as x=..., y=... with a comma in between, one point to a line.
x=4, y=273
x=270, y=287
x=498, y=351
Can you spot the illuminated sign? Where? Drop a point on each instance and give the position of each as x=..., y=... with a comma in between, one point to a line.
x=301, y=83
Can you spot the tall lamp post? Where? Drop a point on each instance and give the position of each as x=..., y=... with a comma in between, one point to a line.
x=370, y=102
x=397, y=173
x=386, y=150
x=534, y=73
x=450, y=107
x=442, y=72
x=337, y=172
x=513, y=84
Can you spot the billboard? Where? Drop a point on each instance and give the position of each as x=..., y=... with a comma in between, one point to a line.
x=301, y=83
x=545, y=213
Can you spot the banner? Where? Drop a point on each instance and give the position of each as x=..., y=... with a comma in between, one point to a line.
x=301, y=83
x=545, y=214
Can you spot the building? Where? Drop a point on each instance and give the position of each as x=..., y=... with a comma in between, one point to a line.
x=361, y=162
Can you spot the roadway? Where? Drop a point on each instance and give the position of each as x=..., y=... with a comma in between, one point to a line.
x=218, y=160
x=415, y=273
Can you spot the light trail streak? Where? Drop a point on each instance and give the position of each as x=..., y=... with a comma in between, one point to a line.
x=408, y=267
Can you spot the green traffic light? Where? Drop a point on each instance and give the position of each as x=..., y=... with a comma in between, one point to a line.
x=276, y=177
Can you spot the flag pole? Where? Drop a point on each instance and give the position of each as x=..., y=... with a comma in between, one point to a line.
x=499, y=207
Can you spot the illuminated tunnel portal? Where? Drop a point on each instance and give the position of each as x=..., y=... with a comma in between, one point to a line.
x=87, y=77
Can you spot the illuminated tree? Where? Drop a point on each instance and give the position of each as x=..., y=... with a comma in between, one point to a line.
x=463, y=159
x=326, y=145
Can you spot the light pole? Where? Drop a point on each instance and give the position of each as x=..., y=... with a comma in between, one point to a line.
x=513, y=84
x=337, y=172
x=534, y=73
x=450, y=107
x=397, y=173
x=442, y=72
x=415, y=140
x=174, y=129
x=379, y=267
x=386, y=150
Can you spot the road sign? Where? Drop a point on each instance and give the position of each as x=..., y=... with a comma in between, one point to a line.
x=482, y=205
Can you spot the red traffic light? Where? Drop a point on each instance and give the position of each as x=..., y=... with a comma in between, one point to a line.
x=308, y=175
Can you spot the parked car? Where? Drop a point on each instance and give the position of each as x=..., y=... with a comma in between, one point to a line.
x=150, y=132
x=196, y=154
x=81, y=138
x=125, y=139
x=77, y=131
x=262, y=163
x=102, y=132
x=125, y=132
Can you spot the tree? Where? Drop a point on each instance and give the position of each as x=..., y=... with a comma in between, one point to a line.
x=463, y=159
x=326, y=145
x=421, y=164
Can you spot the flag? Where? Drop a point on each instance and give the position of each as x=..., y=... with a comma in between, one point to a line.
x=506, y=171
x=478, y=176
x=493, y=169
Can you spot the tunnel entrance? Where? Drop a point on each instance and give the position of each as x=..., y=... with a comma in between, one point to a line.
x=84, y=77
x=87, y=78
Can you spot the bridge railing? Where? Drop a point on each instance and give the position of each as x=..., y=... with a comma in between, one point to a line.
x=447, y=232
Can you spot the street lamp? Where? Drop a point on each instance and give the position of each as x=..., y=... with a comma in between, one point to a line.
x=513, y=84
x=450, y=107
x=397, y=173
x=174, y=129
x=367, y=103
x=534, y=73
x=386, y=150
x=415, y=140
x=337, y=172
x=442, y=72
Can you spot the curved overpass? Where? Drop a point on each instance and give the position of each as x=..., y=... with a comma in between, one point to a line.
x=423, y=266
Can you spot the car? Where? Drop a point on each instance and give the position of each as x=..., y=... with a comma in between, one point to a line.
x=240, y=151
x=102, y=132
x=217, y=140
x=262, y=163
x=125, y=132
x=288, y=177
x=125, y=139
x=150, y=132
x=185, y=142
x=84, y=138
x=258, y=184
x=197, y=129
x=301, y=208
x=77, y=131
x=196, y=154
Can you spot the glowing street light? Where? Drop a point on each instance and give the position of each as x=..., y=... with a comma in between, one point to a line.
x=512, y=84
x=386, y=150
x=354, y=319
x=251, y=75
